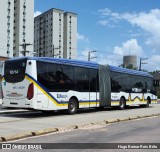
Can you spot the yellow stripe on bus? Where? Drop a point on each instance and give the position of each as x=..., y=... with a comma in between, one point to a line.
x=45, y=93
x=54, y=101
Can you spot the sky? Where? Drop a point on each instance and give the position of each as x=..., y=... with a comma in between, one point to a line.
x=114, y=28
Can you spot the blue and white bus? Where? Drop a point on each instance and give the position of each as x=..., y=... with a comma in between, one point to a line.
x=49, y=84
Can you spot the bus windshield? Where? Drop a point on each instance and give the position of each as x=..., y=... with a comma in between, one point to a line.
x=14, y=70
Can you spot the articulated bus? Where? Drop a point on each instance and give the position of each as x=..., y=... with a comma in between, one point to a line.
x=49, y=84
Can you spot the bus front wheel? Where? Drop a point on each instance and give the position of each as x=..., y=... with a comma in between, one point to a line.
x=72, y=106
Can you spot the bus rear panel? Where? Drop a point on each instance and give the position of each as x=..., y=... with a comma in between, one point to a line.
x=17, y=89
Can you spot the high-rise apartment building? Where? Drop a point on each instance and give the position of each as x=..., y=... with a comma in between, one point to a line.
x=70, y=35
x=55, y=34
x=17, y=20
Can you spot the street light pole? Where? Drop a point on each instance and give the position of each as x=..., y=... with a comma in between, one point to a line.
x=89, y=55
x=24, y=45
x=140, y=64
x=53, y=49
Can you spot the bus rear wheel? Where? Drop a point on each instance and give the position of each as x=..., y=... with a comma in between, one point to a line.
x=122, y=104
x=148, y=102
x=72, y=106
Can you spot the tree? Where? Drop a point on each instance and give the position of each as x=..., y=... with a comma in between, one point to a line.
x=130, y=66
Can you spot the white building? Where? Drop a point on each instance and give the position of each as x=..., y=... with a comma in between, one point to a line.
x=17, y=20
x=55, y=34
x=70, y=35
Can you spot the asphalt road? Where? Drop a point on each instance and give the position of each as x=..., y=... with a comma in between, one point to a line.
x=123, y=134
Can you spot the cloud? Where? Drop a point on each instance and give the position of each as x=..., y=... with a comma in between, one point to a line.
x=153, y=63
x=103, y=22
x=109, y=58
x=116, y=58
x=83, y=55
x=147, y=21
x=101, y=58
x=129, y=47
x=81, y=37
x=37, y=13
x=107, y=12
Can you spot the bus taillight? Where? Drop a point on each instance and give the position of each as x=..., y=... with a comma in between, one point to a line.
x=30, y=92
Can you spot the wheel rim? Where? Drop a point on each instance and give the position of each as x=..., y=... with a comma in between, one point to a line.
x=72, y=107
x=121, y=103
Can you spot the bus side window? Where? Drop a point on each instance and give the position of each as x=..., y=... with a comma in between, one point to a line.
x=146, y=85
x=115, y=85
x=93, y=84
x=81, y=76
x=116, y=82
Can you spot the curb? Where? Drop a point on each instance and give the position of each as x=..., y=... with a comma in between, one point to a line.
x=68, y=128
x=84, y=126
x=100, y=123
x=111, y=120
x=133, y=117
x=45, y=131
x=16, y=137
x=123, y=119
x=145, y=116
x=158, y=114
x=73, y=127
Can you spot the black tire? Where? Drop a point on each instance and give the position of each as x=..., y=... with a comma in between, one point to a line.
x=122, y=104
x=72, y=106
x=147, y=104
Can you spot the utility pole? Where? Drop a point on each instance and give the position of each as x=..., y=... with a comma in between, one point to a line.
x=89, y=55
x=140, y=64
x=53, y=51
x=24, y=46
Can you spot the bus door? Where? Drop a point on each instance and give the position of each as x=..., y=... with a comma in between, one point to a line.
x=93, y=87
